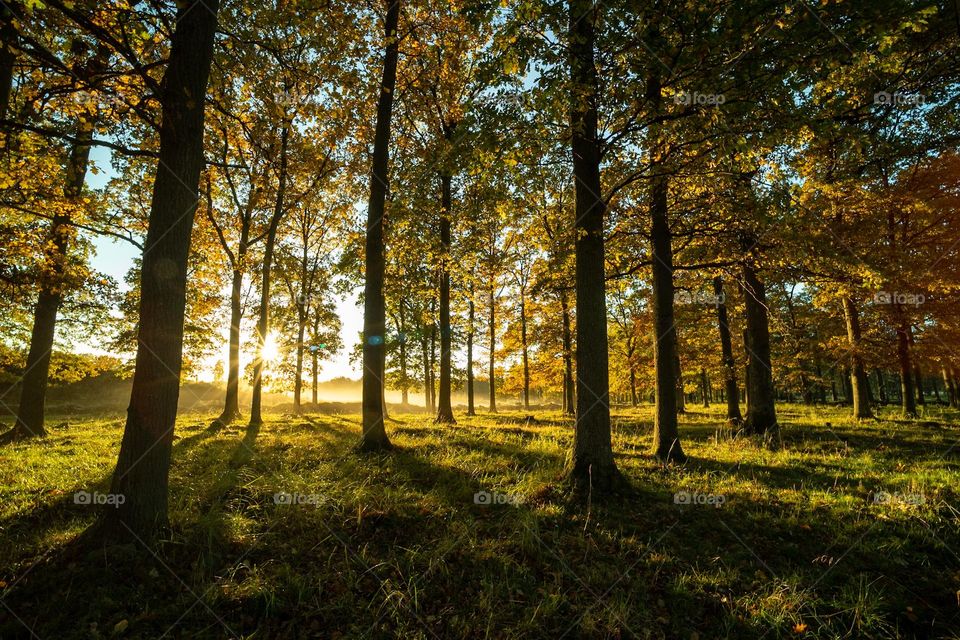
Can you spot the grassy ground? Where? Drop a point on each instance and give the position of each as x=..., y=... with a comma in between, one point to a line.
x=849, y=531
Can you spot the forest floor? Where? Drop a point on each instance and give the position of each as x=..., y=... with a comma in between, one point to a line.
x=465, y=531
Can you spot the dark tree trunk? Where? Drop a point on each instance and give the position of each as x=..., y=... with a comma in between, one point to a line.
x=881, y=386
x=263, y=322
x=918, y=377
x=143, y=465
x=471, y=318
x=525, y=349
x=592, y=466
x=8, y=56
x=731, y=392
x=568, y=402
x=313, y=374
x=705, y=387
x=298, y=379
x=847, y=386
x=374, y=304
x=666, y=360
x=433, y=367
x=445, y=408
x=425, y=350
x=907, y=398
x=37, y=371
x=761, y=408
x=678, y=381
x=492, y=371
x=231, y=404
x=404, y=377
x=859, y=384
x=951, y=388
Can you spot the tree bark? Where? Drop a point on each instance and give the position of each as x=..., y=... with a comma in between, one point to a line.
x=263, y=322
x=666, y=360
x=471, y=318
x=492, y=371
x=374, y=304
x=525, y=348
x=445, y=408
x=143, y=465
x=731, y=392
x=231, y=403
x=704, y=387
x=37, y=371
x=8, y=55
x=907, y=398
x=592, y=467
x=568, y=402
x=859, y=384
x=951, y=388
x=761, y=408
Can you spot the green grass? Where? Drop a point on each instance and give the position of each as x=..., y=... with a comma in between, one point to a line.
x=395, y=546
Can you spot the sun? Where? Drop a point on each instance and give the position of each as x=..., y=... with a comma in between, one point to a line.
x=271, y=351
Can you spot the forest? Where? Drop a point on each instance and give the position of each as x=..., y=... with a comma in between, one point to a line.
x=468, y=319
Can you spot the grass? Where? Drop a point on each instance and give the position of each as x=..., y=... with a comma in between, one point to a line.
x=849, y=531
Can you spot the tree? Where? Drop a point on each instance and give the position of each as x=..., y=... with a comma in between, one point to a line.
x=142, y=470
x=374, y=306
x=591, y=466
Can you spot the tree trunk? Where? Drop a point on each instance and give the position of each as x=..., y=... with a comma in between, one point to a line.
x=445, y=408
x=731, y=392
x=313, y=375
x=471, y=317
x=263, y=322
x=374, y=304
x=918, y=377
x=231, y=404
x=666, y=360
x=881, y=386
x=859, y=384
x=492, y=371
x=568, y=403
x=591, y=466
x=298, y=379
x=404, y=378
x=433, y=367
x=425, y=350
x=36, y=374
x=704, y=387
x=524, y=346
x=907, y=398
x=143, y=465
x=8, y=56
x=761, y=408
x=951, y=388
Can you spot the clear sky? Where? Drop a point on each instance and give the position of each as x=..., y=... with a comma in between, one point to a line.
x=115, y=257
